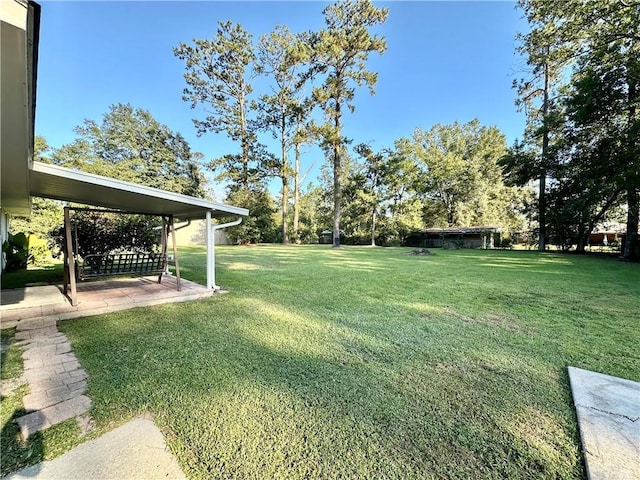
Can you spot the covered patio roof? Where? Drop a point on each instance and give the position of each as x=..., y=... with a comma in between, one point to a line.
x=59, y=183
x=22, y=178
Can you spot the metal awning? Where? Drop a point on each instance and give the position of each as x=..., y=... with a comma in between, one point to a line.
x=59, y=183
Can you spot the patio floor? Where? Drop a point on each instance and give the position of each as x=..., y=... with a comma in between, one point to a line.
x=608, y=410
x=94, y=298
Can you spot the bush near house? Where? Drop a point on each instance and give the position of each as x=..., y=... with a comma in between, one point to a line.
x=100, y=233
x=39, y=252
x=16, y=251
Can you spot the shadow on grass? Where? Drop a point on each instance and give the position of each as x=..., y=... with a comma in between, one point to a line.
x=238, y=405
x=33, y=277
x=17, y=453
x=442, y=367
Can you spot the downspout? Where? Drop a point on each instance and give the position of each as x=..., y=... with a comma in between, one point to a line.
x=211, y=248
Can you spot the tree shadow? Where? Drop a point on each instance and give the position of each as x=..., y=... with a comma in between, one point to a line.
x=362, y=396
x=16, y=451
x=46, y=275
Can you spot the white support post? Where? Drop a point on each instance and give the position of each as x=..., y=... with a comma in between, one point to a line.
x=207, y=239
x=211, y=248
x=213, y=259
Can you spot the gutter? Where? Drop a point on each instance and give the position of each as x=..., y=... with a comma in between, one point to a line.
x=33, y=28
x=211, y=248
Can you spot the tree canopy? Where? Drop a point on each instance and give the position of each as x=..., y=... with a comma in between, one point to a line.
x=219, y=73
x=590, y=122
x=129, y=144
x=458, y=175
x=578, y=160
x=282, y=57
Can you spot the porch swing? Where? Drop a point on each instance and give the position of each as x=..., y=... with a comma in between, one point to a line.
x=115, y=264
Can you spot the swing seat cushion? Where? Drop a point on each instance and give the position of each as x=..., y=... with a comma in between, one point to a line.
x=133, y=264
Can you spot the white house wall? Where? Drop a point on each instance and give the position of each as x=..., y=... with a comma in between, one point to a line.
x=195, y=234
x=4, y=235
x=16, y=142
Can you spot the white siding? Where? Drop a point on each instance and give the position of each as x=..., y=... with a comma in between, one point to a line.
x=4, y=234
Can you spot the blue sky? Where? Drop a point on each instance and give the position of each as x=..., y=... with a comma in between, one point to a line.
x=445, y=61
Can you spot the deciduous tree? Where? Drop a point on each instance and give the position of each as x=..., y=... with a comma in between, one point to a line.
x=129, y=144
x=260, y=225
x=457, y=175
x=372, y=183
x=600, y=41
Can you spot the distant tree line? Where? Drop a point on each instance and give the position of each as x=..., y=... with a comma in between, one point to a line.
x=446, y=176
x=577, y=165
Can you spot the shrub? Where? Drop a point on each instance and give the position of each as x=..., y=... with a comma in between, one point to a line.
x=16, y=250
x=506, y=243
x=39, y=252
x=458, y=243
x=394, y=242
x=101, y=233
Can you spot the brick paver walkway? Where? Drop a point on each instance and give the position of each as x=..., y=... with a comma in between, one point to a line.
x=56, y=379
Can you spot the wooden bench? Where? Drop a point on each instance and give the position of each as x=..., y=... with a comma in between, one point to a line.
x=112, y=264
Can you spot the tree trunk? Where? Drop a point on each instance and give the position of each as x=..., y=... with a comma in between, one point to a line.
x=285, y=201
x=244, y=181
x=633, y=192
x=542, y=209
x=296, y=195
x=451, y=217
x=633, y=215
x=583, y=238
x=373, y=227
x=285, y=180
x=542, y=196
x=337, y=168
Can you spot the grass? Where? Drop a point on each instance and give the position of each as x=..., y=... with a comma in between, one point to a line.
x=11, y=357
x=50, y=274
x=368, y=363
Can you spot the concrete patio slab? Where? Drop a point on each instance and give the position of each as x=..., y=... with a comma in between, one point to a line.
x=608, y=410
x=31, y=296
x=134, y=450
x=94, y=298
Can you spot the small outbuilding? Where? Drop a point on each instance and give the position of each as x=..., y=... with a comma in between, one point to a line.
x=456, y=237
x=325, y=237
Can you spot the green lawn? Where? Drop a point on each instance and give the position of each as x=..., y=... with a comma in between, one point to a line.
x=50, y=274
x=369, y=363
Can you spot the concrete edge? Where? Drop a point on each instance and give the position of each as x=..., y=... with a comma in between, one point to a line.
x=583, y=449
